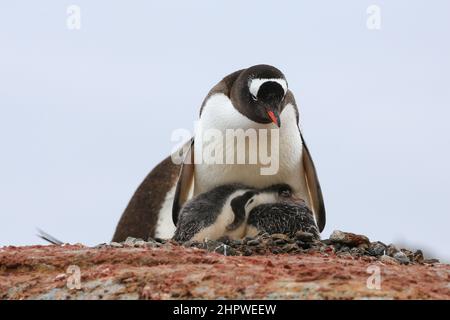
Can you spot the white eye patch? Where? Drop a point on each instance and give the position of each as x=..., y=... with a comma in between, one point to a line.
x=256, y=83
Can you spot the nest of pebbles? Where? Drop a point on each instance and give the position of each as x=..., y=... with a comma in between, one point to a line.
x=343, y=244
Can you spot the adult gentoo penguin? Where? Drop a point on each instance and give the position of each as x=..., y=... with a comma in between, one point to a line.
x=254, y=98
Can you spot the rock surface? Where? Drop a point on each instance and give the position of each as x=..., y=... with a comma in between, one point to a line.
x=266, y=267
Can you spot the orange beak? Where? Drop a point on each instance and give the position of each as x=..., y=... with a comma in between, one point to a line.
x=275, y=118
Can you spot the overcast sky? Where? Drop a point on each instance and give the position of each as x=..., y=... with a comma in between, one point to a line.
x=85, y=114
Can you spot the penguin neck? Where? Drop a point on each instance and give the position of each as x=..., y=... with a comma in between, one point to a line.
x=221, y=114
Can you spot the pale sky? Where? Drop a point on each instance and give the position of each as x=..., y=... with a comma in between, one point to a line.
x=86, y=114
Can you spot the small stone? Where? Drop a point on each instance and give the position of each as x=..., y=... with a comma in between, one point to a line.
x=116, y=245
x=129, y=241
x=356, y=252
x=236, y=242
x=290, y=247
x=211, y=245
x=60, y=276
x=303, y=245
x=431, y=261
x=153, y=244
x=139, y=243
x=377, y=249
x=350, y=239
x=276, y=250
x=226, y=250
x=195, y=244
x=247, y=239
x=418, y=256
x=391, y=250
x=304, y=236
x=345, y=255
x=280, y=236
x=388, y=259
x=401, y=257
x=253, y=242
x=187, y=244
x=279, y=242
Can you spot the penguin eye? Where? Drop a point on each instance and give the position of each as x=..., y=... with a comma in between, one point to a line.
x=254, y=97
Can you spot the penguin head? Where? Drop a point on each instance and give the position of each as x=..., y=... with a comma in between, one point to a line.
x=258, y=93
x=244, y=202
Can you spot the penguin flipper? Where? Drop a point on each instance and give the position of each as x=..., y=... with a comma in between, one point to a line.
x=184, y=183
x=314, y=189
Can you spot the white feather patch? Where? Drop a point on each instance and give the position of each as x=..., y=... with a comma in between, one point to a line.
x=165, y=228
x=256, y=83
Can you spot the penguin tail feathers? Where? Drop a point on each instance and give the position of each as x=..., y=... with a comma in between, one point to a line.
x=49, y=238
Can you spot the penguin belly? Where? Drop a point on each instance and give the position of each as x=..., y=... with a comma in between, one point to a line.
x=220, y=115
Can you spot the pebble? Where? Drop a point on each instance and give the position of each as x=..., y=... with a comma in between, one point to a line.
x=344, y=249
x=303, y=245
x=346, y=245
x=253, y=242
x=350, y=239
x=129, y=242
x=279, y=241
x=237, y=242
x=101, y=245
x=140, y=243
x=401, y=257
x=290, y=247
x=226, y=250
x=304, y=236
x=280, y=236
x=418, y=256
x=356, y=251
x=377, y=249
x=116, y=245
x=60, y=276
x=388, y=259
x=247, y=239
x=391, y=250
x=431, y=261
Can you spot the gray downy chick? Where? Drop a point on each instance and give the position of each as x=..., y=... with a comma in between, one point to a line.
x=287, y=216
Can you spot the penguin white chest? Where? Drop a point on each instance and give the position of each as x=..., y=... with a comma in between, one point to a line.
x=267, y=156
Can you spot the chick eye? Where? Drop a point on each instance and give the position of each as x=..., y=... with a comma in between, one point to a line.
x=285, y=193
x=254, y=97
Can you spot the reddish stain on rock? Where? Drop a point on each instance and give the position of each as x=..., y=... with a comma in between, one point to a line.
x=175, y=272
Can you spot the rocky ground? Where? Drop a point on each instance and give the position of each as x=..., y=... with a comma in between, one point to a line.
x=346, y=266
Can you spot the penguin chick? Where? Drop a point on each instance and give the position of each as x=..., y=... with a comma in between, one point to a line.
x=223, y=211
x=287, y=216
